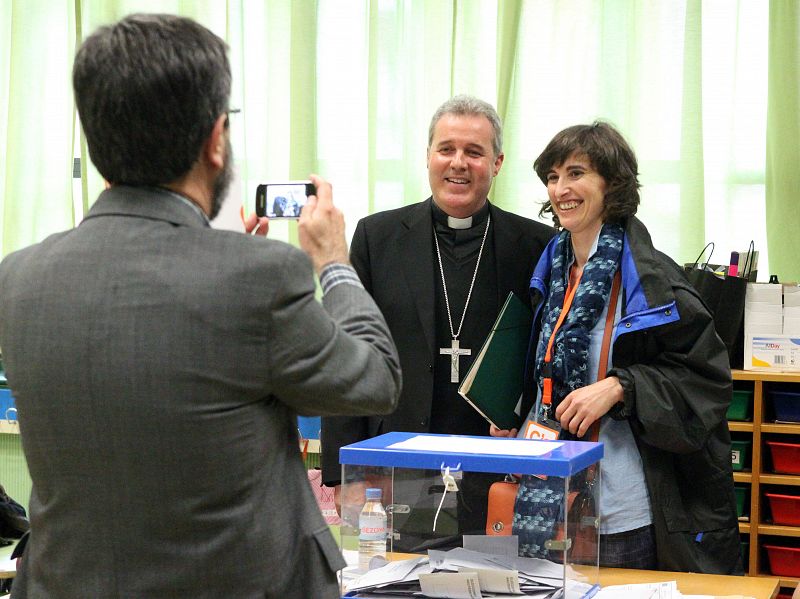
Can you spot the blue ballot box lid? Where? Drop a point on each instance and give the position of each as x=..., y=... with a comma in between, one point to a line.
x=473, y=454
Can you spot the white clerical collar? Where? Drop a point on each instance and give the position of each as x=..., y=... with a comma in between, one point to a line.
x=459, y=223
x=453, y=222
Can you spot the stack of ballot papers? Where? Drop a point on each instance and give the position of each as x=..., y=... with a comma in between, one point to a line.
x=465, y=574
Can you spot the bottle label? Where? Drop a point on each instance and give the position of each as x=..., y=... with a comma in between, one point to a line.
x=372, y=528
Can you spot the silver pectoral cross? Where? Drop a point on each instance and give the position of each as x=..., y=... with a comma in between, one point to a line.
x=454, y=352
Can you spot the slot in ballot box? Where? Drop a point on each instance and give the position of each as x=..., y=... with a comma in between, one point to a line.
x=429, y=484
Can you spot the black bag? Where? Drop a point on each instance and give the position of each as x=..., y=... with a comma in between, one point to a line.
x=724, y=296
x=13, y=519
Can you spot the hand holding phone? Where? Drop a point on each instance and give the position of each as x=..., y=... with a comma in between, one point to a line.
x=321, y=228
x=283, y=199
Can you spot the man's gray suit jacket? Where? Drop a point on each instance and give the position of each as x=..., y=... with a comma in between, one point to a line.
x=158, y=366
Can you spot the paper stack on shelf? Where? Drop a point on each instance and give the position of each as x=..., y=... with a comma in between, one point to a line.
x=791, y=310
x=763, y=309
x=772, y=327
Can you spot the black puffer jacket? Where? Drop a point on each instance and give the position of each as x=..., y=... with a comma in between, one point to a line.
x=677, y=387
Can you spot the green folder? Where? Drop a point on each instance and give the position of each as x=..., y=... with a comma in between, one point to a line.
x=493, y=385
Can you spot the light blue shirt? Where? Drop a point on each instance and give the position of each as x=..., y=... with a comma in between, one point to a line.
x=624, y=500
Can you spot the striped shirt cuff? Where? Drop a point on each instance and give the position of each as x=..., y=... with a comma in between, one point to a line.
x=335, y=273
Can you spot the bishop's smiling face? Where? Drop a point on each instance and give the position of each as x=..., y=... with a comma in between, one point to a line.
x=577, y=193
x=461, y=163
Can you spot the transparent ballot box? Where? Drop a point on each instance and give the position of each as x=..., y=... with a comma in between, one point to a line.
x=471, y=516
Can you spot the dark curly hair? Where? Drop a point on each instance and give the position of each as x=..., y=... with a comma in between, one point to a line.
x=611, y=157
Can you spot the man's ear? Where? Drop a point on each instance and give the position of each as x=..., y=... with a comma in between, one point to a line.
x=214, y=149
x=498, y=162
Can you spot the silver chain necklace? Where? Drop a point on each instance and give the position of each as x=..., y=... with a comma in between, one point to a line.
x=454, y=351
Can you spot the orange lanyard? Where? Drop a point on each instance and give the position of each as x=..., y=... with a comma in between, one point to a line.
x=547, y=382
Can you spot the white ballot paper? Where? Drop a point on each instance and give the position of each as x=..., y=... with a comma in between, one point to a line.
x=647, y=590
x=460, y=585
x=496, y=581
x=487, y=446
x=531, y=569
x=461, y=573
x=532, y=566
x=391, y=573
x=457, y=558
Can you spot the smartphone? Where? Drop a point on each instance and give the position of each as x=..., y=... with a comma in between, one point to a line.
x=283, y=200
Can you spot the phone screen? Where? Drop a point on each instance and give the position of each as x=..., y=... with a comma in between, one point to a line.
x=282, y=200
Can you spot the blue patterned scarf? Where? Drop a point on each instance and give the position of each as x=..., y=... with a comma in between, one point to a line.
x=539, y=502
x=570, y=353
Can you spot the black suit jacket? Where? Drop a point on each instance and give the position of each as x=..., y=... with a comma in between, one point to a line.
x=394, y=256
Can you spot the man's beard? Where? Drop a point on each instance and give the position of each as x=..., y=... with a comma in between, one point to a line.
x=222, y=182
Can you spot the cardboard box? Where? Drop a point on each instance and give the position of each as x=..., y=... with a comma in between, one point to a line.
x=771, y=353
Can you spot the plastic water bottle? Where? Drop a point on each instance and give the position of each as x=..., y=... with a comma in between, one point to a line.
x=371, y=529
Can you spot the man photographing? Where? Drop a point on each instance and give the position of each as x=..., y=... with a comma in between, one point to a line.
x=158, y=365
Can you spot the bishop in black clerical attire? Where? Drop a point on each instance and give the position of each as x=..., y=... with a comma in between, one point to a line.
x=398, y=253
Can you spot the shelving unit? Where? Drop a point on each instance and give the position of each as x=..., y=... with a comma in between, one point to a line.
x=758, y=477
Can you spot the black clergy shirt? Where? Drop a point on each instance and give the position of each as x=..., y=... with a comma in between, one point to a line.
x=459, y=249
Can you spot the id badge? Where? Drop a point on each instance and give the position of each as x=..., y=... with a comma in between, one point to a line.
x=543, y=429
x=535, y=430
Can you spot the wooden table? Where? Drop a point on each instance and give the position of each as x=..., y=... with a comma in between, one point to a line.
x=715, y=585
x=696, y=584
x=5, y=553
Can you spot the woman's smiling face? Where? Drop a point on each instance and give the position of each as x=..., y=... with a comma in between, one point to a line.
x=577, y=193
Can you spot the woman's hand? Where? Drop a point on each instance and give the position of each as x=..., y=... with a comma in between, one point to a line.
x=498, y=432
x=583, y=407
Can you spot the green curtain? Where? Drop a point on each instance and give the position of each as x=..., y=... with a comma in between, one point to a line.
x=346, y=88
x=36, y=119
x=783, y=139
x=91, y=14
